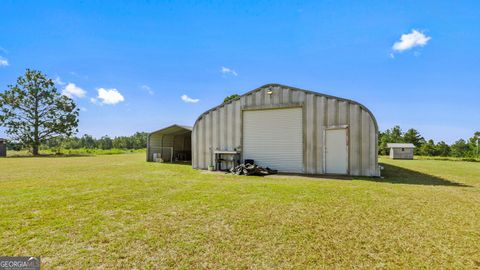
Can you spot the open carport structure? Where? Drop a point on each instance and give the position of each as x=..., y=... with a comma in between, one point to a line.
x=170, y=144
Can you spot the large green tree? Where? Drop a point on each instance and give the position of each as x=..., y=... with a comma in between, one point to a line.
x=414, y=137
x=228, y=98
x=105, y=142
x=460, y=148
x=33, y=111
x=442, y=149
x=88, y=141
x=475, y=143
x=394, y=135
x=428, y=149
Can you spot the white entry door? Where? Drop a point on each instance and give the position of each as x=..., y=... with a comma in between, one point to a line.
x=274, y=138
x=336, y=151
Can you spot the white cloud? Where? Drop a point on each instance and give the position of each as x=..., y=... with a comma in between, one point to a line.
x=93, y=100
x=71, y=90
x=148, y=89
x=109, y=96
x=59, y=81
x=83, y=109
x=3, y=62
x=188, y=99
x=410, y=40
x=226, y=70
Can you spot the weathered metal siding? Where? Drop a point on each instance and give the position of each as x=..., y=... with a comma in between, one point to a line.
x=221, y=127
x=397, y=153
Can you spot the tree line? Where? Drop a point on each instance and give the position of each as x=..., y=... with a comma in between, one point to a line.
x=135, y=141
x=461, y=148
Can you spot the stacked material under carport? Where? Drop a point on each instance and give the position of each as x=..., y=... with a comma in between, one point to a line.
x=170, y=144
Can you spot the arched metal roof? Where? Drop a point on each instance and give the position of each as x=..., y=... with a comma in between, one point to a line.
x=291, y=88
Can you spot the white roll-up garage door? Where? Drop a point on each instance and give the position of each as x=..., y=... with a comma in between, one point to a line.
x=273, y=138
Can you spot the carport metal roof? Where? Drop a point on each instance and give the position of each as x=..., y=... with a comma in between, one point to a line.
x=173, y=130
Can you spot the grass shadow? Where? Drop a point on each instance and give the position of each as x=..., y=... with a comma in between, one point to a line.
x=399, y=175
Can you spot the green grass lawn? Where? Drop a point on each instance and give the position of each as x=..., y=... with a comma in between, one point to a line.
x=121, y=212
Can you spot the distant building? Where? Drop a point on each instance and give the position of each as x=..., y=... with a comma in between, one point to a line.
x=3, y=147
x=401, y=150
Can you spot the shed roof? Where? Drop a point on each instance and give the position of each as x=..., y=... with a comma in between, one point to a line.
x=173, y=130
x=400, y=145
x=3, y=140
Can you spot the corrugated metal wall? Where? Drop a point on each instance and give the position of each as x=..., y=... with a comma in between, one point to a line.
x=397, y=153
x=221, y=127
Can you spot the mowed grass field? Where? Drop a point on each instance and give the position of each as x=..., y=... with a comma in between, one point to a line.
x=119, y=212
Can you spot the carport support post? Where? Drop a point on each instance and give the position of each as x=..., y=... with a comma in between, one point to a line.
x=148, y=147
x=173, y=147
x=161, y=147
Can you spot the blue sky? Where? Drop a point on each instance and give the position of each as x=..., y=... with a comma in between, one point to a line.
x=128, y=64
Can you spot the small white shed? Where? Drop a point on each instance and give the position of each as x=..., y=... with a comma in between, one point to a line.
x=401, y=150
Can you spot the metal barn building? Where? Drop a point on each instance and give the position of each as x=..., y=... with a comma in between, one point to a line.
x=401, y=150
x=290, y=130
